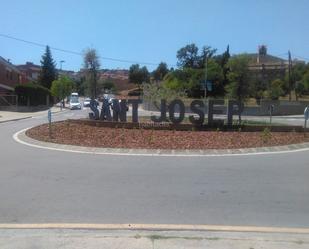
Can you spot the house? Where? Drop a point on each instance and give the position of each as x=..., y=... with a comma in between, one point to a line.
x=10, y=76
x=71, y=74
x=266, y=68
x=31, y=70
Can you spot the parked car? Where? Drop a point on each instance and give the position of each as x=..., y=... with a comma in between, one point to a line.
x=86, y=102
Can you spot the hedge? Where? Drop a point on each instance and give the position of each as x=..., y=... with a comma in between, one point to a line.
x=36, y=94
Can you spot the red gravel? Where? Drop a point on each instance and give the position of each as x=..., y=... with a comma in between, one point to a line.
x=84, y=135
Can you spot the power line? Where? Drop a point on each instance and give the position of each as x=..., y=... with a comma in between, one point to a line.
x=279, y=55
x=300, y=57
x=39, y=44
x=78, y=53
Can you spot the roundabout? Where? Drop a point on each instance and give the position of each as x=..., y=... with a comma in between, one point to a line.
x=23, y=138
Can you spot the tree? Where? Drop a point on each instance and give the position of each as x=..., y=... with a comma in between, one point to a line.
x=48, y=69
x=190, y=80
x=298, y=71
x=300, y=89
x=91, y=66
x=215, y=76
x=223, y=63
x=207, y=52
x=192, y=71
x=305, y=80
x=138, y=75
x=79, y=85
x=160, y=71
x=276, y=89
x=188, y=56
x=62, y=87
x=239, y=77
x=106, y=85
x=262, y=50
x=257, y=89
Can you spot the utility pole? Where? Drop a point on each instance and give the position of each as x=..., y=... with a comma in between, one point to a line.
x=205, y=86
x=290, y=84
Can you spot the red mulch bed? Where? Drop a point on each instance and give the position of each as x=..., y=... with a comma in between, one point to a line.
x=85, y=135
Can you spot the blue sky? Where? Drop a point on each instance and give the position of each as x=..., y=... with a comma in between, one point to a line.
x=151, y=30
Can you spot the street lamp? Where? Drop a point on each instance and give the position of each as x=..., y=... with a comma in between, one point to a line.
x=61, y=64
x=62, y=100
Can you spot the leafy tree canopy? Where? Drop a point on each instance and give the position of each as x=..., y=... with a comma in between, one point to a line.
x=91, y=67
x=62, y=87
x=239, y=77
x=138, y=75
x=189, y=57
x=160, y=71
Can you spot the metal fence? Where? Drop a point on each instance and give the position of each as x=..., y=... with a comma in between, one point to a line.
x=8, y=100
x=279, y=107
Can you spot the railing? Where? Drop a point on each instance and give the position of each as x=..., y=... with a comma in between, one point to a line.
x=8, y=100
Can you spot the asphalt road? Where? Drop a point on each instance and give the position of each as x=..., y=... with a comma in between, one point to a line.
x=44, y=186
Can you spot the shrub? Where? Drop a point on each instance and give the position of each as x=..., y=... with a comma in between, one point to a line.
x=266, y=135
x=34, y=92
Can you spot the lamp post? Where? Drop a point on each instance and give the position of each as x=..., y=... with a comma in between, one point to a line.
x=62, y=100
x=62, y=61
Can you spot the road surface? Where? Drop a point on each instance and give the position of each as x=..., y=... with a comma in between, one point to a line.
x=44, y=186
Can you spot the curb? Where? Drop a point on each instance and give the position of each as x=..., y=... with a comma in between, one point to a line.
x=15, y=119
x=22, y=138
x=156, y=227
x=27, y=117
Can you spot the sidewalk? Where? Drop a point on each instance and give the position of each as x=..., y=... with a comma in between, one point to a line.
x=6, y=116
x=141, y=239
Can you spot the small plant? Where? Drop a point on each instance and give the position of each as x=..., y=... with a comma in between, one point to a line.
x=266, y=135
x=239, y=129
x=133, y=132
x=151, y=137
x=113, y=133
x=123, y=137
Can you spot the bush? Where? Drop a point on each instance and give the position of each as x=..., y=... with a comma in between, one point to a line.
x=36, y=94
x=266, y=135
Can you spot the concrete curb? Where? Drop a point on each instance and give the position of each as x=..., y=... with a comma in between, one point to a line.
x=147, y=239
x=32, y=116
x=14, y=119
x=22, y=138
x=156, y=227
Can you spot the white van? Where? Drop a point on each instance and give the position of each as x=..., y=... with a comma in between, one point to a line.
x=74, y=101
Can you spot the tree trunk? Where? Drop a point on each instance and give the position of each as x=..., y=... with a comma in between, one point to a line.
x=239, y=111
